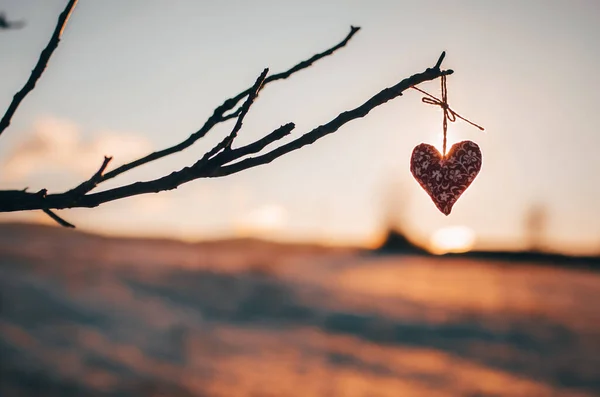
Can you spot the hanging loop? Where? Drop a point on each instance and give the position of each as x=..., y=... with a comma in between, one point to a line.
x=449, y=114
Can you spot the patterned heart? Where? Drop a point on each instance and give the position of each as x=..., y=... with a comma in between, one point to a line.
x=445, y=179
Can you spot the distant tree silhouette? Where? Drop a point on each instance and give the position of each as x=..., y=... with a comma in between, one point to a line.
x=221, y=160
x=535, y=224
x=396, y=204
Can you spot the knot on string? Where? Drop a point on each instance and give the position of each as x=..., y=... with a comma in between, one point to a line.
x=449, y=114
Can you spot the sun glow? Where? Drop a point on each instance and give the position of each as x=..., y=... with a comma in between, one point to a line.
x=452, y=137
x=262, y=221
x=452, y=239
x=438, y=141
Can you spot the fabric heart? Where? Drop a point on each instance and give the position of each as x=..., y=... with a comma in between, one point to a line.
x=445, y=179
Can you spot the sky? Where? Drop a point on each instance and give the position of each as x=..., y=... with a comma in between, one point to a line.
x=136, y=76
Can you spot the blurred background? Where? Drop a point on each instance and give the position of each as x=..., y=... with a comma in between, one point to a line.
x=328, y=272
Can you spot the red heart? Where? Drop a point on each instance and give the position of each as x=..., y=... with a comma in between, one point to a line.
x=446, y=178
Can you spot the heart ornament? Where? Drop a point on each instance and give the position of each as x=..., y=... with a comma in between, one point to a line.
x=445, y=178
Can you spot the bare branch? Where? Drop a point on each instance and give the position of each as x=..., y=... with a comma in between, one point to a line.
x=219, y=113
x=255, y=147
x=41, y=195
x=331, y=127
x=309, y=62
x=58, y=219
x=438, y=64
x=39, y=68
x=221, y=160
x=245, y=108
x=213, y=167
x=91, y=183
x=225, y=144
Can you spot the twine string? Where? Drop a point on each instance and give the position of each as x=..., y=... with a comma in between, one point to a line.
x=449, y=114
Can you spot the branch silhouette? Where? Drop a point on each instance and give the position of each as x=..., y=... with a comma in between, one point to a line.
x=219, y=116
x=39, y=68
x=221, y=160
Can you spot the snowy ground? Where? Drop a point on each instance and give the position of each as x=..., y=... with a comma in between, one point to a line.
x=88, y=316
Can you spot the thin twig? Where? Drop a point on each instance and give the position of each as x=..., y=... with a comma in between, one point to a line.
x=39, y=68
x=58, y=219
x=246, y=107
x=91, y=183
x=332, y=126
x=308, y=62
x=219, y=113
x=255, y=147
x=438, y=64
x=42, y=195
x=225, y=144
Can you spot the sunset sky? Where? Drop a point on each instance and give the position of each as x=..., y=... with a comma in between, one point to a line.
x=134, y=76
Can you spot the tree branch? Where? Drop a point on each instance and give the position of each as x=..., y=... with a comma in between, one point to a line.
x=58, y=219
x=39, y=68
x=213, y=165
x=91, y=183
x=228, y=141
x=219, y=116
x=331, y=127
x=255, y=147
x=221, y=160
